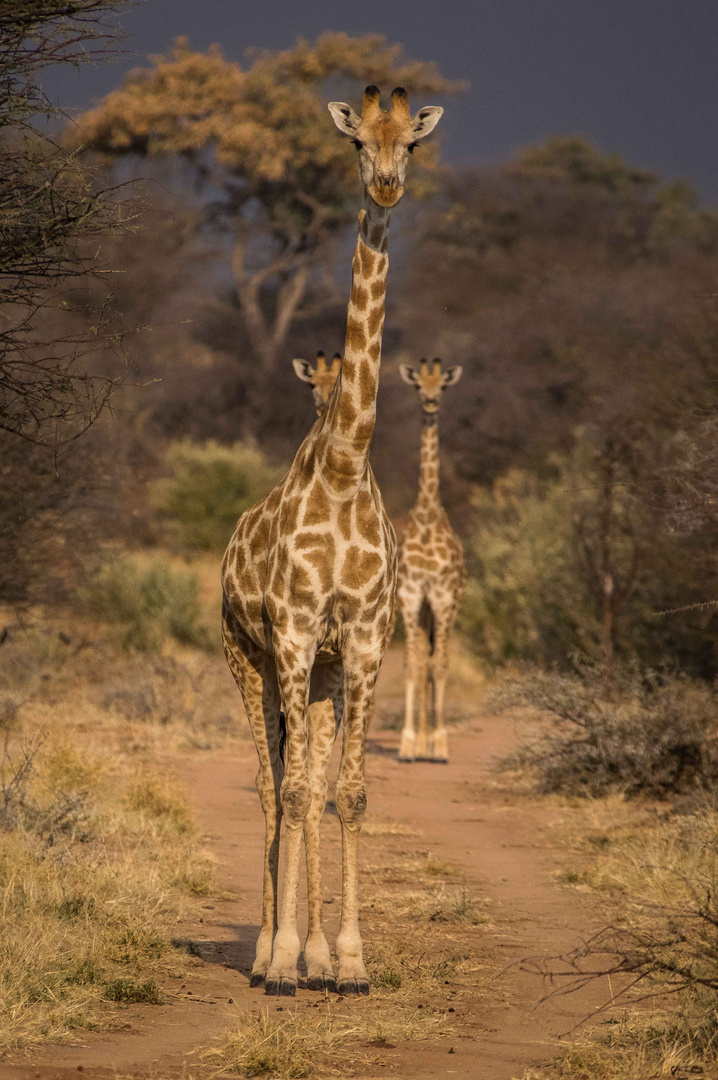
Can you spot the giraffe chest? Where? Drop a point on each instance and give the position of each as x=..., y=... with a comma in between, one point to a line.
x=431, y=552
x=315, y=570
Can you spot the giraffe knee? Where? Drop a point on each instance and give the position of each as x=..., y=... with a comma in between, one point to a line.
x=296, y=799
x=351, y=803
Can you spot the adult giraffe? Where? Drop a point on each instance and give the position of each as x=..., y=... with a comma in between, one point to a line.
x=308, y=580
x=431, y=577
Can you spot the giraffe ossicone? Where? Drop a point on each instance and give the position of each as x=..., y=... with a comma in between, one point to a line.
x=431, y=579
x=309, y=579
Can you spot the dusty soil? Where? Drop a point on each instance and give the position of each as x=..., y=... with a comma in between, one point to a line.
x=501, y=845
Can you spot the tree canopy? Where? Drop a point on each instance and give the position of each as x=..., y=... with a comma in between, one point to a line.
x=260, y=137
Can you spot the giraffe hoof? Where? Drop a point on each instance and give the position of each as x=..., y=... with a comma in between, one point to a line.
x=322, y=982
x=281, y=987
x=257, y=978
x=354, y=988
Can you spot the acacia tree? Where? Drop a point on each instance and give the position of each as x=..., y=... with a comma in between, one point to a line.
x=50, y=208
x=262, y=137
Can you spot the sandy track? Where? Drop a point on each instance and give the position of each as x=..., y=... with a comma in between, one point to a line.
x=499, y=843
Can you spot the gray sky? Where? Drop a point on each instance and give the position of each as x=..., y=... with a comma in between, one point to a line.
x=635, y=76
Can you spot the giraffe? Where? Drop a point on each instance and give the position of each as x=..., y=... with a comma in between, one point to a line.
x=308, y=580
x=321, y=377
x=431, y=576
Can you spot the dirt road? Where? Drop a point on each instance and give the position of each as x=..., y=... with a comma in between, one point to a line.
x=498, y=847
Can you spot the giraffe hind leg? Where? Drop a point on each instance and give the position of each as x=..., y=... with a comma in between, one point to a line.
x=325, y=710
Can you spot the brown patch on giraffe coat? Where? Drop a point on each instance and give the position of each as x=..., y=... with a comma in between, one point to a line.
x=367, y=519
x=309, y=539
x=322, y=559
x=306, y=475
x=344, y=518
x=359, y=566
x=367, y=384
x=355, y=338
x=260, y=536
x=289, y=514
x=376, y=320
x=367, y=260
x=273, y=499
x=377, y=289
x=318, y=508
x=375, y=592
x=348, y=368
x=347, y=415
x=338, y=462
x=359, y=297
x=374, y=351
x=363, y=433
x=300, y=586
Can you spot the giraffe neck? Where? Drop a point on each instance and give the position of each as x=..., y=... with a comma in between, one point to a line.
x=348, y=423
x=428, y=504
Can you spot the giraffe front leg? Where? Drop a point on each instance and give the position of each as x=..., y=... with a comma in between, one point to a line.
x=359, y=683
x=410, y=617
x=324, y=714
x=421, y=675
x=256, y=677
x=268, y=788
x=295, y=794
x=440, y=668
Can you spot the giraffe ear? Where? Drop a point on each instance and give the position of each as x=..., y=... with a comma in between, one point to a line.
x=426, y=120
x=452, y=376
x=303, y=370
x=345, y=118
x=408, y=374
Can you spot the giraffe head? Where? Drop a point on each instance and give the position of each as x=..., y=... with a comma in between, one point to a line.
x=430, y=381
x=321, y=377
x=384, y=139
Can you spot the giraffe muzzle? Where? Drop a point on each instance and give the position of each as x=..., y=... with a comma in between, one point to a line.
x=386, y=194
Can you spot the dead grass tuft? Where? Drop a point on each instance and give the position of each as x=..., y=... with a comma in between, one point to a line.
x=300, y=1044
x=437, y=904
x=93, y=875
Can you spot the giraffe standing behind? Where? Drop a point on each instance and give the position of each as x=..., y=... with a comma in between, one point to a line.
x=431, y=578
x=308, y=592
x=321, y=377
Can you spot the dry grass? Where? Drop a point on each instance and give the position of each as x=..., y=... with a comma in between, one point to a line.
x=435, y=904
x=371, y=827
x=302, y=1044
x=179, y=700
x=658, y=875
x=95, y=869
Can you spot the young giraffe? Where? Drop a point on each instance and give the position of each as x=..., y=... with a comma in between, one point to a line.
x=431, y=576
x=309, y=579
x=321, y=377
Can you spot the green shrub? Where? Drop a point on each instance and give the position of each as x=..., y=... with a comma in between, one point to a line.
x=545, y=546
x=209, y=487
x=147, y=606
x=635, y=734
